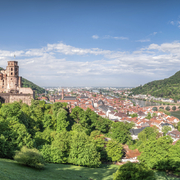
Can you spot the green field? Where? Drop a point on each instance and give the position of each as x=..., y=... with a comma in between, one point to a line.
x=10, y=170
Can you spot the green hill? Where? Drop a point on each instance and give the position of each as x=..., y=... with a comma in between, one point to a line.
x=26, y=83
x=10, y=170
x=167, y=88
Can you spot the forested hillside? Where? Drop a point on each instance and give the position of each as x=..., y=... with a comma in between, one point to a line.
x=169, y=87
x=26, y=83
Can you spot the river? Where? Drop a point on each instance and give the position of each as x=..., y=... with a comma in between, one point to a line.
x=144, y=103
x=147, y=103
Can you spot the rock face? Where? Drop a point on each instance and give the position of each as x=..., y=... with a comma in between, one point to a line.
x=11, y=85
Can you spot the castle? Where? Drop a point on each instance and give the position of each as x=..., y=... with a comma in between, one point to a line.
x=11, y=85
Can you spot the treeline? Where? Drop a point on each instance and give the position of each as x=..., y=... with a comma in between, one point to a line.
x=167, y=88
x=60, y=136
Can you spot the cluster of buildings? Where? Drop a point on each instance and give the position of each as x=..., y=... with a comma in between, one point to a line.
x=118, y=110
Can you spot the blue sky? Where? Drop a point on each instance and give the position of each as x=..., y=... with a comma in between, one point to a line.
x=91, y=42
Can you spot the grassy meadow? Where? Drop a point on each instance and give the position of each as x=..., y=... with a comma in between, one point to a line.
x=10, y=170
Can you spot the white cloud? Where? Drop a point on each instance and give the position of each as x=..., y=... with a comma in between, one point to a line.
x=172, y=22
x=176, y=22
x=55, y=61
x=123, y=38
x=111, y=37
x=95, y=36
x=143, y=40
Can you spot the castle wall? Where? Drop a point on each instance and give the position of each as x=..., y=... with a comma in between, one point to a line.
x=4, y=97
x=25, y=98
x=25, y=91
x=10, y=98
x=11, y=86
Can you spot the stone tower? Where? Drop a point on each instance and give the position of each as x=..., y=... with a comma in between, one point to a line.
x=62, y=94
x=13, y=79
x=11, y=85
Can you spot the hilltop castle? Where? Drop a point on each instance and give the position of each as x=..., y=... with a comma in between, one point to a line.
x=11, y=85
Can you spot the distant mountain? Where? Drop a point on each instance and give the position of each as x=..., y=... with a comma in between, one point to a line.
x=169, y=87
x=26, y=83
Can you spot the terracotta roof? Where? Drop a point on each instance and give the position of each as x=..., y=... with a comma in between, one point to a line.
x=132, y=153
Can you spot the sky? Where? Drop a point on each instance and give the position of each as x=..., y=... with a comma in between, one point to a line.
x=120, y=43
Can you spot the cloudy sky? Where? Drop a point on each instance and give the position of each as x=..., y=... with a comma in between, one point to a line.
x=91, y=42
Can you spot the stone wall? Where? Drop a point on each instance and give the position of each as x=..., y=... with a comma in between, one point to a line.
x=10, y=98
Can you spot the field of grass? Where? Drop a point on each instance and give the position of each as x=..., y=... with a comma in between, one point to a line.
x=10, y=170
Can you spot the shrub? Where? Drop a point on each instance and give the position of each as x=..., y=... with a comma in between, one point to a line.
x=29, y=157
x=134, y=171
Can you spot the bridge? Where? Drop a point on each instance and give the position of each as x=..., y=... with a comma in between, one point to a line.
x=164, y=107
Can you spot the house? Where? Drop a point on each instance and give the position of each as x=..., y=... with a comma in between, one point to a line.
x=131, y=155
x=135, y=132
x=174, y=134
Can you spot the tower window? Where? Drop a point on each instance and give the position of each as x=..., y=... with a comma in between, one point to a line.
x=11, y=73
x=11, y=69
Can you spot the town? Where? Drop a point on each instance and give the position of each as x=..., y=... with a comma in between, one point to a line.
x=116, y=109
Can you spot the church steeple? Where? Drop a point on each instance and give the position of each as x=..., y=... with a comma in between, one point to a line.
x=62, y=94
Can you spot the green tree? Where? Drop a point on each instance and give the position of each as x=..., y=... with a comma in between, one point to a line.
x=114, y=151
x=83, y=151
x=119, y=131
x=164, y=111
x=77, y=114
x=174, y=108
x=134, y=171
x=154, y=115
x=155, y=153
x=174, y=159
x=165, y=130
x=134, y=115
x=148, y=116
x=167, y=108
x=99, y=140
x=62, y=120
x=148, y=133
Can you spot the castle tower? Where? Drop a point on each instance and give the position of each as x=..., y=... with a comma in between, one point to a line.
x=12, y=71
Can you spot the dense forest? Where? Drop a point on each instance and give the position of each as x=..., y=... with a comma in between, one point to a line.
x=168, y=88
x=62, y=137
x=51, y=133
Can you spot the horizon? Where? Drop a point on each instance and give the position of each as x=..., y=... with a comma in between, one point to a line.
x=91, y=43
